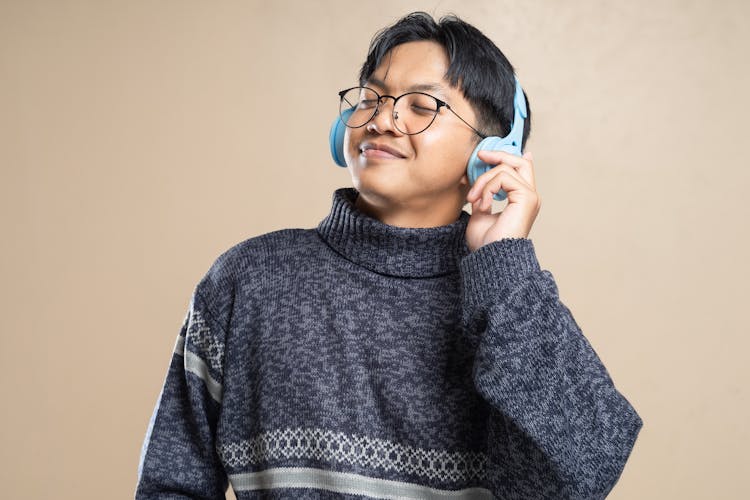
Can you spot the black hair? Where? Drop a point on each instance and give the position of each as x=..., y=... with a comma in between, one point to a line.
x=477, y=66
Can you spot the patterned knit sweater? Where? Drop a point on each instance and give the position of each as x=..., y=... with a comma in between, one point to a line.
x=363, y=360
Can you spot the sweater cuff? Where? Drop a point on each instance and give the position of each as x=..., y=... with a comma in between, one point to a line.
x=493, y=267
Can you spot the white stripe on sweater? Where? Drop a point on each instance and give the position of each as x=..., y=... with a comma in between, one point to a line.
x=194, y=364
x=349, y=483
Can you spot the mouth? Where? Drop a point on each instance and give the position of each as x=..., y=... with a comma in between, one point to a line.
x=381, y=151
x=378, y=153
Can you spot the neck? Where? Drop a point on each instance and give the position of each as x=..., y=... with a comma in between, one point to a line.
x=419, y=213
x=413, y=252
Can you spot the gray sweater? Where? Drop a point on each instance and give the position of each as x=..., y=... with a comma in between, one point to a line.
x=363, y=360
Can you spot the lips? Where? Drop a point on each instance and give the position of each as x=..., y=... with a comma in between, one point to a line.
x=380, y=147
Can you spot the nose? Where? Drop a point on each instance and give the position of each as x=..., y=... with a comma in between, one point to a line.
x=384, y=120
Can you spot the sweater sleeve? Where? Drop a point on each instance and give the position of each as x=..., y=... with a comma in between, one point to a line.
x=178, y=457
x=558, y=427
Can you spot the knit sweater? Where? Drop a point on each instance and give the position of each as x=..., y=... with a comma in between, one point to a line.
x=363, y=360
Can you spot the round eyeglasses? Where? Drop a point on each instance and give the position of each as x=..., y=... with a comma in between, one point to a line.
x=413, y=112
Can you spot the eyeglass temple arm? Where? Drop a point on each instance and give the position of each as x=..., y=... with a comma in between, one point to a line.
x=467, y=123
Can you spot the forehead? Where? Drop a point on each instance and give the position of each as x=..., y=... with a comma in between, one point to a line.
x=410, y=66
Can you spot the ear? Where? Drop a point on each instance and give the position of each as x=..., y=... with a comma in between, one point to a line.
x=464, y=182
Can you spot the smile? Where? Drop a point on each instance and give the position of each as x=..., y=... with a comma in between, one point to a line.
x=379, y=153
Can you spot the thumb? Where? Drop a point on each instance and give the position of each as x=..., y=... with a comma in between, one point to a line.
x=528, y=155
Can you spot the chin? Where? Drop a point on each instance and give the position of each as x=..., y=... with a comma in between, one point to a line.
x=384, y=178
x=372, y=188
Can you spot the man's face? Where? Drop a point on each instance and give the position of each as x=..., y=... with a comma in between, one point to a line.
x=433, y=169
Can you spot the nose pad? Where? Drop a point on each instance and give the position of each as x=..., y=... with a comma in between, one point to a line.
x=390, y=118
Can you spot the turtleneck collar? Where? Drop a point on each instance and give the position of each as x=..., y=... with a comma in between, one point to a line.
x=392, y=250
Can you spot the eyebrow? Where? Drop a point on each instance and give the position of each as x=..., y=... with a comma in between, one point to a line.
x=417, y=87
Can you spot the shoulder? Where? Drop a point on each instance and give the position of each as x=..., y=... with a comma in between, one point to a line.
x=247, y=266
x=258, y=255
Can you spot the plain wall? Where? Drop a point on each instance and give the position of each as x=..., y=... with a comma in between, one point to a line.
x=141, y=139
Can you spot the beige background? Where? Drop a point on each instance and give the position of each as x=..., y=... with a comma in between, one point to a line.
x=139, y=140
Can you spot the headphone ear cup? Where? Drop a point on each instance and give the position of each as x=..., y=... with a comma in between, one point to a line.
x=511, y=143
x=477, y=167
x=336, y=138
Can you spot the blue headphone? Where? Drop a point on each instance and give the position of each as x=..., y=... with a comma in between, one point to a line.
x=511, y=143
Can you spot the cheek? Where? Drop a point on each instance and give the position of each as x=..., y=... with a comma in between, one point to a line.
x=352, y=137
x=445, y=151
x=349, y=138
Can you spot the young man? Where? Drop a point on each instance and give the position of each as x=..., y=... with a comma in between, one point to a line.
x=402, y=348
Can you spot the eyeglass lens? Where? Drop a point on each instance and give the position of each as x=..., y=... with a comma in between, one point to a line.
x=412, y=112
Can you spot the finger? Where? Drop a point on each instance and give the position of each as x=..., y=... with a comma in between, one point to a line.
x=477, y=206
x=507, y=180
x=478, y=189
x=523, y=163
x=504, y=180
x=491, y=187
x=528, y=173
x=501, y=156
